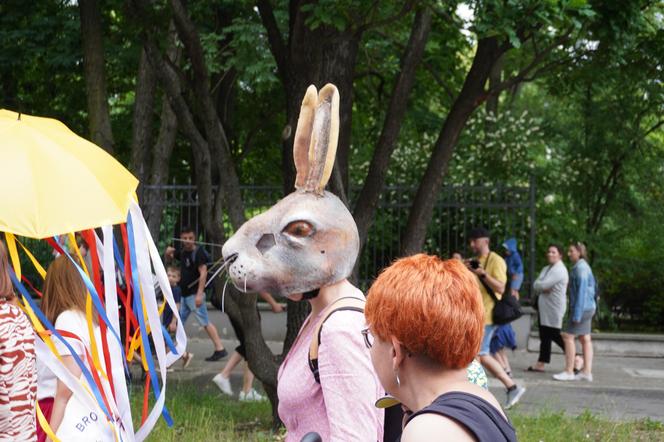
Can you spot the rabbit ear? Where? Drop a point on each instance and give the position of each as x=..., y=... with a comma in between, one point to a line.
x=302, y=140
x=324, y=139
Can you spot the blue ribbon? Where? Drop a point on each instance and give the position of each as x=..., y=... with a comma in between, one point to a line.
x=141, y=321
x=169, y=341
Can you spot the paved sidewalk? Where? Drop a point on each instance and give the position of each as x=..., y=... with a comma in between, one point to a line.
x=623, y=388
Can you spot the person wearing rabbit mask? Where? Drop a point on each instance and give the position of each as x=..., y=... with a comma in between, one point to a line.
x=305, y=247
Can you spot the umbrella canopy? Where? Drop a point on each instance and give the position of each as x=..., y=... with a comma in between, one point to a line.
x=52, y=181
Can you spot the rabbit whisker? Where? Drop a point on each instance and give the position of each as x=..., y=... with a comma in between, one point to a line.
x=223, y=296
x=221, y=269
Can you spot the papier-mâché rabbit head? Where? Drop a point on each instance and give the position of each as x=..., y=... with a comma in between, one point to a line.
x=309, y=239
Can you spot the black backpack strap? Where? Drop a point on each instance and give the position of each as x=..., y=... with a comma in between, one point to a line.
x=345, y=303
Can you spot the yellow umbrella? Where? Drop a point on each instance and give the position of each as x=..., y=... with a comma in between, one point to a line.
x=52, y=181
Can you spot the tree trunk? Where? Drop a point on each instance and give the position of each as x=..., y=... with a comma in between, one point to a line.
x=146, y=85
x=313, y=56
x=471, y=96
x=365, y=207
x=163, y=147
x=95, y=77
x=216, y=137
x=241, y=308
x=495, y=77
x=161, y=156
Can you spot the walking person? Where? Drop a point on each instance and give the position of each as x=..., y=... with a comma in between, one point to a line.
x=491, y=272
x=223, y=378
x=550, y=288
x=193, y=269
x=582, y=308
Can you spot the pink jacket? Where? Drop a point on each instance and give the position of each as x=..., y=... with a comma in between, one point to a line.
x=341, y=407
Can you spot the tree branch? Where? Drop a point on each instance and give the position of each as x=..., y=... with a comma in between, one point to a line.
x=367, y=201
x=523, y=74
x=437, y=78
x=274, y=37
x=216, y=136
x=405, y=9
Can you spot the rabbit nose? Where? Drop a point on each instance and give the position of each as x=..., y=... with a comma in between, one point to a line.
x=265, y=243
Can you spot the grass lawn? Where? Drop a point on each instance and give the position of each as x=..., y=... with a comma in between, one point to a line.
x=202, y=415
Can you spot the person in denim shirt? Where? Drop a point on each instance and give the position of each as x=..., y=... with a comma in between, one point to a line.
x=582, y=308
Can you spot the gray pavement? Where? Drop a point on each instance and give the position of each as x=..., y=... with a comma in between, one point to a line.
x=623, y=388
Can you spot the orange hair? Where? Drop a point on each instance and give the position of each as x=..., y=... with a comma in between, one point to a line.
x=433, y=307
x=6, y=288
x=64, y=289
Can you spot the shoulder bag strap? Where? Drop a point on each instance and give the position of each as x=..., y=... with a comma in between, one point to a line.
x=345, y=303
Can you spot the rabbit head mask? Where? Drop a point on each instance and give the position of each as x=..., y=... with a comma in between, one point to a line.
x=309, y=239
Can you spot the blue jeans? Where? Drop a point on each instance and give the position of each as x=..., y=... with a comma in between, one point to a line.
x=188, y=305
x=489, y=330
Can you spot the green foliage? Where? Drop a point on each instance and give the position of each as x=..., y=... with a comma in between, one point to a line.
x=40, y=56
x=203, y=415
x=501, y=148
x=588, y=129
x=554, y=427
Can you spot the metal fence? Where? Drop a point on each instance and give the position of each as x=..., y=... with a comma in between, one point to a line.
x=508, y=211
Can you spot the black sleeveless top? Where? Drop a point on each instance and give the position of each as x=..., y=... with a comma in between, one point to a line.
x=478, y=416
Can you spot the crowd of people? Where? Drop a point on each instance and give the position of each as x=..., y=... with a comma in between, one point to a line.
x=424, y=374
x=505, y=276
x=323, y=400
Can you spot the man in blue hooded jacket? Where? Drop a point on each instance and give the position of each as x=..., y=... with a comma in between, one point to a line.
x=514, y=266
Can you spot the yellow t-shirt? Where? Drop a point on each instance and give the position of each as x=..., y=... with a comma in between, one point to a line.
x=495, y=267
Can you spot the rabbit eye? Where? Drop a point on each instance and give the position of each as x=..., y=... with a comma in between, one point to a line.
x=299, y=229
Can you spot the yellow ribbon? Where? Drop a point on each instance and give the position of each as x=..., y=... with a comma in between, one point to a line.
x=13, y=254
x=34, y=261
x=44, y=425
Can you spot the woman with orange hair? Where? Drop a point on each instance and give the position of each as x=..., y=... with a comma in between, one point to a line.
x=425, y=322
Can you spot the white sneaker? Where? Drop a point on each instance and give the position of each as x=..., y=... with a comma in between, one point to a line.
x=564, y=376
x=251, y=396
x=223, y=383
x=514, y=396
x=583, y=377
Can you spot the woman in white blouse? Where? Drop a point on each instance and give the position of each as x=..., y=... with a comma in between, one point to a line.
x=551, y=288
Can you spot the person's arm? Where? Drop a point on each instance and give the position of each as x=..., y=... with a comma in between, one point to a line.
x=174, y=322
x=496, y=285
x=276, y=307
x=495, y=276
x=63, y=394
x=169, y=254
x=580, y=298
x=547, y=280
x=350, y=386
x=202, y=270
